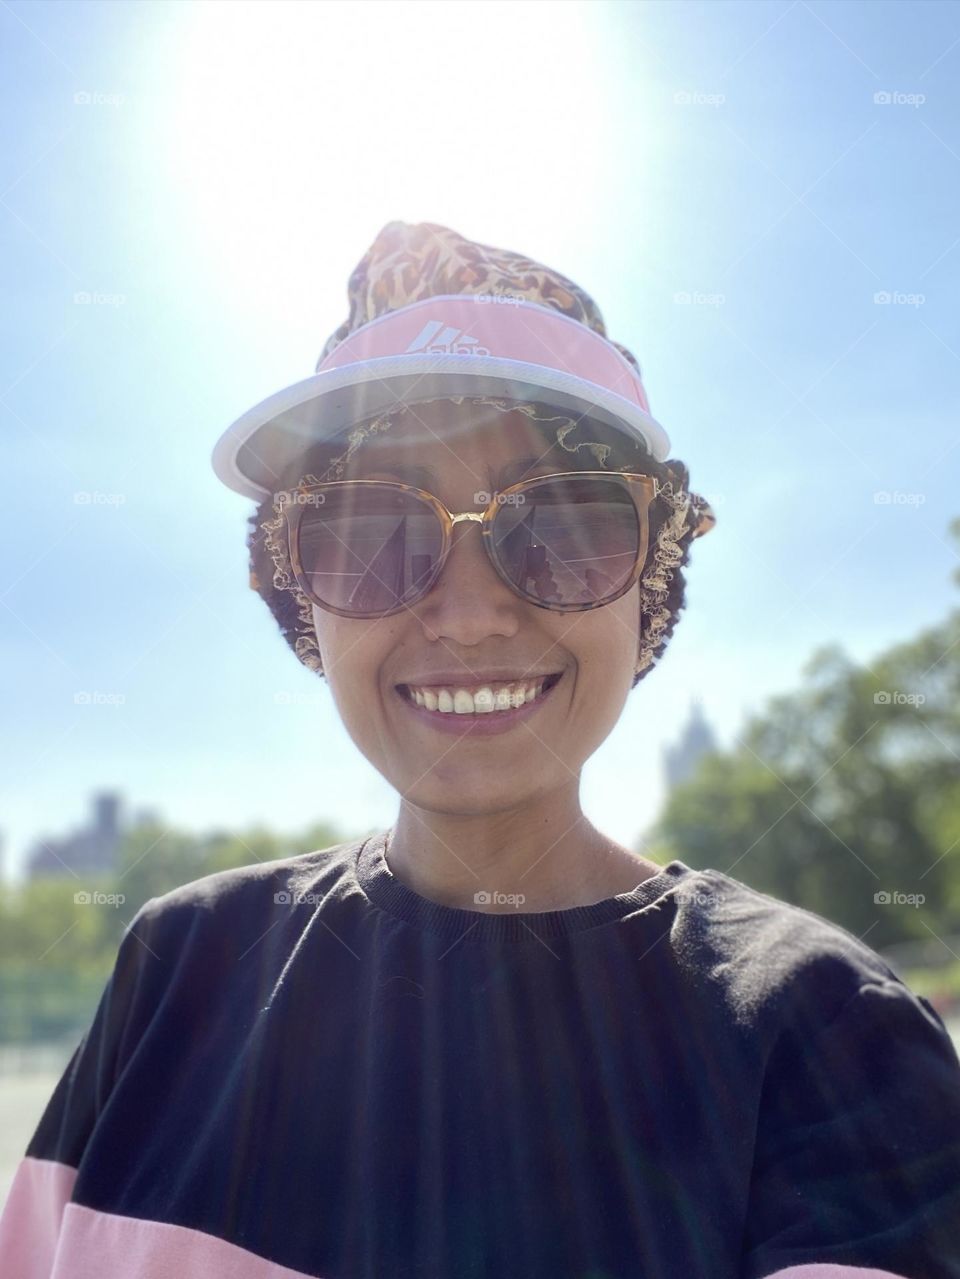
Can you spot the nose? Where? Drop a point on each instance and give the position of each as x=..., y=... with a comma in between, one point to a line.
x=469, y=600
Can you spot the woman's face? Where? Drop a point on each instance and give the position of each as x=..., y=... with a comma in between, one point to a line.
x=472, y=622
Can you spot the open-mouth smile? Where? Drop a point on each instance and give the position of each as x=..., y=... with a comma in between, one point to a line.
x=478, y=710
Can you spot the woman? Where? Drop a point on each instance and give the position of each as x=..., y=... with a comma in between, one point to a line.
x=489, y=1041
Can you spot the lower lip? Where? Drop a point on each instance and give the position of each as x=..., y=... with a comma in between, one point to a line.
x=477, y=725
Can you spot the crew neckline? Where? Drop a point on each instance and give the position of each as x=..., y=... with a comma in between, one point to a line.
x=384, y=890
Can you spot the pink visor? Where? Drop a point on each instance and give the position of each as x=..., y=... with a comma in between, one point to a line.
x=454, y=344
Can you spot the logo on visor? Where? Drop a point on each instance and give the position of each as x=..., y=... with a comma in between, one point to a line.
x=437, y=338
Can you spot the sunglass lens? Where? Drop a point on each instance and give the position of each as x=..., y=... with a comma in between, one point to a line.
x=366, y=549
x=570, y=541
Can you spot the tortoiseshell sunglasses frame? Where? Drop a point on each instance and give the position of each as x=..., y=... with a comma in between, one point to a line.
x=643, y=489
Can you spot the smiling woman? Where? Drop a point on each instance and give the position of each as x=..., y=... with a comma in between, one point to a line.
x=537, y=607
x=558, y=443
x=488, y=1042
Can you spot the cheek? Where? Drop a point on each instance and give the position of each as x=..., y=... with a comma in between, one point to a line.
x=618, y=631
x=606, y=653
x=353, y=653
x=342, y=657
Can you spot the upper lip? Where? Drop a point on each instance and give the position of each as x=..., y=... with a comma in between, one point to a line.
x=460, y=679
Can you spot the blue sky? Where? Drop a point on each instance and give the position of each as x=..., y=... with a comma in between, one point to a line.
x=211, y=188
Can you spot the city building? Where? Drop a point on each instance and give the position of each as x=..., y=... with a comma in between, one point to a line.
x=696, y=740
x=92, y=848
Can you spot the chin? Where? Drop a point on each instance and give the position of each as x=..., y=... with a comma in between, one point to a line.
x=482, y=799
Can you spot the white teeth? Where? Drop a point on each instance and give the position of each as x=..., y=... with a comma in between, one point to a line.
x=484, y=700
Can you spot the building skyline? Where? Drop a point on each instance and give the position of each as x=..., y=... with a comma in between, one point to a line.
x=696, y=739
x=92, y=847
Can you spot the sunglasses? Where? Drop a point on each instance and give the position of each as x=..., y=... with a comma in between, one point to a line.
x=567, y=541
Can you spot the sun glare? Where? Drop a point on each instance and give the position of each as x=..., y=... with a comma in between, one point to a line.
x=295, y=126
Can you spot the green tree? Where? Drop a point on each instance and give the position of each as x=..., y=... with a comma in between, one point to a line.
x=843, y=789
x=59, y=934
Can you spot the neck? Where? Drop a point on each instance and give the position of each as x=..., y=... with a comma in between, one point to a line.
x=545, y=856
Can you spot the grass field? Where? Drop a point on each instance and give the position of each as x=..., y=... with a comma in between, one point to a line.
x=22, y=1099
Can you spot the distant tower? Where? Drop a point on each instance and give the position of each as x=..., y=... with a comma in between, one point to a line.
x=106, y=808
x=696, y=740
x=92, y=848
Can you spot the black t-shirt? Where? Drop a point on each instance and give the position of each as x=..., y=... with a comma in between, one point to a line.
x=304, y=1068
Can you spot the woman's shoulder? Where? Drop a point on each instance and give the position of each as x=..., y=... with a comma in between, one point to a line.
x=248, y=892
x=769, y=955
